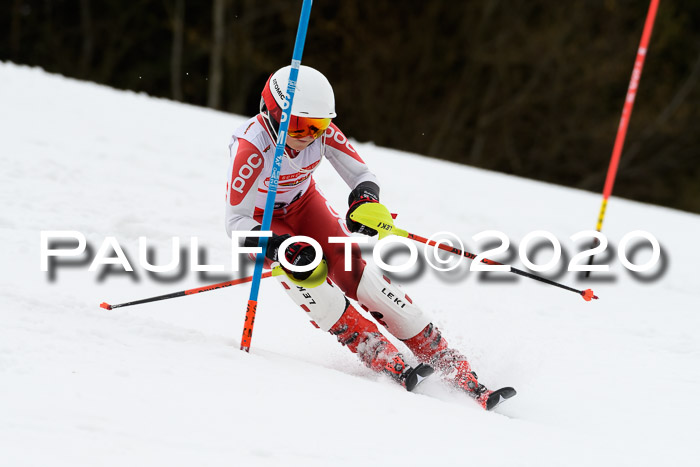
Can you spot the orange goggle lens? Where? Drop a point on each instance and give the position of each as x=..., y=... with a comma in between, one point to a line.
x=300, y=127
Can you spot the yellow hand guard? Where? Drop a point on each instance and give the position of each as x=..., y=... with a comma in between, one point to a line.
x=317, y=277
x=377, y=217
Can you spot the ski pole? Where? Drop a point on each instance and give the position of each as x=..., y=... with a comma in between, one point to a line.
x=586, y=294
x=182, y=293
x=275, y=174
x=625, y=118
x=377, y=217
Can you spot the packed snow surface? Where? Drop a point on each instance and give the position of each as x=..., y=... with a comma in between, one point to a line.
x=611, y=382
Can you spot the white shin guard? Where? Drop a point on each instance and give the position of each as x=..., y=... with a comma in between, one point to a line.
x=389, y=305
x=324, y=305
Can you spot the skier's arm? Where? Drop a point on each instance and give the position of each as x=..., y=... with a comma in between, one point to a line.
x=346, y=161
x=297, y=253
x=352, y=169
x=245, y=168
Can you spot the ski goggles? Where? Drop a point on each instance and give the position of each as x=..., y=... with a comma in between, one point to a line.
x=301, y=127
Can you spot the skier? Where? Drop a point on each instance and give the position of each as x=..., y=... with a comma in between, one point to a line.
x=301, y=209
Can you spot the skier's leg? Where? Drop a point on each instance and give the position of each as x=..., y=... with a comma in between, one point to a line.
x=329, y=309
x=313, y=216
x=326, y=305
x=389, y=305
x=430, y=347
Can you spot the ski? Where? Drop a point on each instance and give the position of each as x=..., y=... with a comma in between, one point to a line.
x=495, y=398
x=416, y=375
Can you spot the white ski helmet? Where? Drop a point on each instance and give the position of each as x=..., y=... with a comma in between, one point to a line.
x=313, y=96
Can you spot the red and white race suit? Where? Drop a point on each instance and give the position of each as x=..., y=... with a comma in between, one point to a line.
x=252, y=156
x=302, y=210
x=299, y=208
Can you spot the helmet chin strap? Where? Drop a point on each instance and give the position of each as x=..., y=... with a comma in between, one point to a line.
x=273, y=131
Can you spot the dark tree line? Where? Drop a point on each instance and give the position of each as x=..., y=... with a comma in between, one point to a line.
x=529, y=87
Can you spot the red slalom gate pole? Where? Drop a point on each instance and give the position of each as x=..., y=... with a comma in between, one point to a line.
x=182, y=293
x=626, y=114
x=587, y=294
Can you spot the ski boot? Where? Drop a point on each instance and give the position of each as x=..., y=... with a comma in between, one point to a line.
x=467, y=381
x=363, y=338
x=430, y=347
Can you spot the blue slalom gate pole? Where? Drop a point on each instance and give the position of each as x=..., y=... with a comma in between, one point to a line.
x=274, y=177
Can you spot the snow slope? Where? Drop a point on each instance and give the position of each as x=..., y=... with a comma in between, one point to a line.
x=611, y=382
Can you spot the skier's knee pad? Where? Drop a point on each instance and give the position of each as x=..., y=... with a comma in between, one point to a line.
x=390, y=305
x=324, y=304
